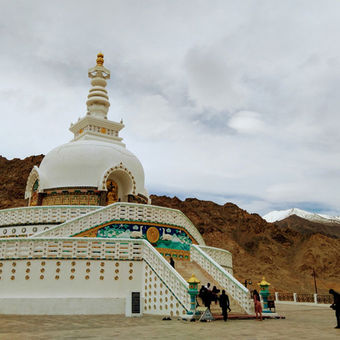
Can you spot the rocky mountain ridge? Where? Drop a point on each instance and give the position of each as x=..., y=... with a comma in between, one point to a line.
x=284, y=254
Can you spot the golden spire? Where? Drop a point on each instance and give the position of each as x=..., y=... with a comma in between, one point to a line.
x=100, y=59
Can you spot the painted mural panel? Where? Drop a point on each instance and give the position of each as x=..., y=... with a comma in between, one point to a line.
x=158, y=236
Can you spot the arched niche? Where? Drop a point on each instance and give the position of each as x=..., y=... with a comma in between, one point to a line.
x=33, y=186
x=122, y=181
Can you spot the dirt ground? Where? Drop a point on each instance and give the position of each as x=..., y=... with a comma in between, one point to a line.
x=302, y=322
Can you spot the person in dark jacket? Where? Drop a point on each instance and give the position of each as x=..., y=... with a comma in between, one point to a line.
x=208, y=296
x=202, y=294
x=225, y=305
x=215, y=292
x=336, y=306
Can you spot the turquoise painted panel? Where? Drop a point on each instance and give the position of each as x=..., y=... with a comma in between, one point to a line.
x=170, y=238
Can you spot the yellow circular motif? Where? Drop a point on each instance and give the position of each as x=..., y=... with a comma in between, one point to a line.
x=152, y=235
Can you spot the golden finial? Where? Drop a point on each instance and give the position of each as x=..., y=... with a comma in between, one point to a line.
x=100, y=59
x=193, y=279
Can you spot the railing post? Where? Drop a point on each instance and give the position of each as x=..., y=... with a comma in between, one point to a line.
x=276, y=296
x=294, y=297
x=316, y=298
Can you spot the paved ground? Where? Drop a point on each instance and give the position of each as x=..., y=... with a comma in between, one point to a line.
x=302, y=322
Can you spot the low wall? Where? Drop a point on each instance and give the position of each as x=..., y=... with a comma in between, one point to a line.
x=302, y=298
x=62, y=306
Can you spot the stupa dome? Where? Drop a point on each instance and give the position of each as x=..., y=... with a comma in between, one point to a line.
x=86, y=163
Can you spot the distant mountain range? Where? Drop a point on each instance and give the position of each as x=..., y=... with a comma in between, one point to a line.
x=305, y=222
x=278, y=215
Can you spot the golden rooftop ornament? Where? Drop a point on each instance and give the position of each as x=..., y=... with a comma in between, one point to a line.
x=100, y=59
x=264, y=282
x=193, y=279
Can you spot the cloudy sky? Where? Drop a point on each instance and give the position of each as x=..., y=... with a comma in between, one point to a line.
x=222, y=100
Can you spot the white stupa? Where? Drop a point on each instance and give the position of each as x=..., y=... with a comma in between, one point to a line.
x=95, y=168
x=89, y=242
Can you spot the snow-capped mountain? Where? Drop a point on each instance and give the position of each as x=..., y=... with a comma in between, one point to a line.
x=278, y=215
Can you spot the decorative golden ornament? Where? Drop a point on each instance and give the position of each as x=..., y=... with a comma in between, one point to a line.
x=152, y=235
x=100, y=59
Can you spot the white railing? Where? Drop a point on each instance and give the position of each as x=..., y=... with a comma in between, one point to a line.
x=225, y=279
x=43, y=214
x=124, y=212
x=71, y=248
x=97, y=248
x=175, y=282
x=221, y=256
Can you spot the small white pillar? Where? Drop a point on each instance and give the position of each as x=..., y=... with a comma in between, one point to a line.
x=294, y=297
x=315, y=298
x=276, y=296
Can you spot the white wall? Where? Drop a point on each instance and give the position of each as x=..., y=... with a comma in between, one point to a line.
x=67, y=286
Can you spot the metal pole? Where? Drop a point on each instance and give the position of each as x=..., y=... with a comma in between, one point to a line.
x=314, y=275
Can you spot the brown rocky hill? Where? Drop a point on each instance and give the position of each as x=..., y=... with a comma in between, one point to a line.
x=331, y=229
x=285, y=256
x=13, y=177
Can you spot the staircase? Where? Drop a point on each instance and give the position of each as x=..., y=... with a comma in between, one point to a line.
x=187, y=268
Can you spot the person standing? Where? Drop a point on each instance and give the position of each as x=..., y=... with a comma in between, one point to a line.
x=215, y=292
x=257, y=304
x=225, y=305
x=172, y=262
x=208, y=296
x=336, y=306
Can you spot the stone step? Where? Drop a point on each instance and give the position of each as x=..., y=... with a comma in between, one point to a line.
x=187, y=268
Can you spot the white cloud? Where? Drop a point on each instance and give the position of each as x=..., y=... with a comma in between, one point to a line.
x=223, y=99
x=247, y=122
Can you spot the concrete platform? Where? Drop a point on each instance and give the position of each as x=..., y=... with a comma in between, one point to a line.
x=301, y=322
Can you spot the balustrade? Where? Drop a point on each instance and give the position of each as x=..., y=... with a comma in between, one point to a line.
x=225, y=279
x=43, y=214
x=124, y=211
